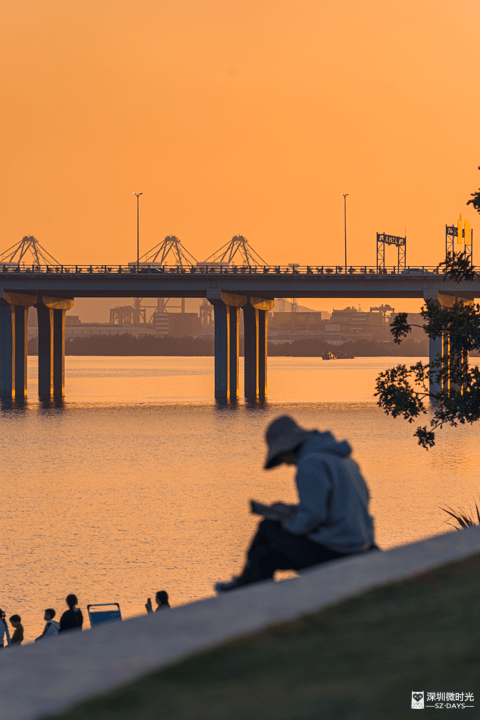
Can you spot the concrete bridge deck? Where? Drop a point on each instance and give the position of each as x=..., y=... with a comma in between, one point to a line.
x=52, y=289
x=269, y=282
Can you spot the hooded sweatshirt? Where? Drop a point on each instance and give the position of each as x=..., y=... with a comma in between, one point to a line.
x=333, y=507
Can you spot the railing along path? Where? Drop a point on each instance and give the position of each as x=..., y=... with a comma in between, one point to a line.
x=9, y=268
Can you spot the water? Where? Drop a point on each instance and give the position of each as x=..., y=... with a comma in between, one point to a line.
x=142, y=483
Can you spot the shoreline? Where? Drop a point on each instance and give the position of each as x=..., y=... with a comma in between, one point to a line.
x=168, y=346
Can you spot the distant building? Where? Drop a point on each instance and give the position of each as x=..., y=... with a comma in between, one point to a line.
x=297, y=323
x=177, y=324
x=125, y=320
x=85, y=329
x=352, y=324
x=340, y=327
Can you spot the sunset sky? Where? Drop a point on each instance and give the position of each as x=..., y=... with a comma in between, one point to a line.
x=247, y=117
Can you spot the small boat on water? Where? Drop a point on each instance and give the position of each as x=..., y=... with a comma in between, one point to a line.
x=343, y=356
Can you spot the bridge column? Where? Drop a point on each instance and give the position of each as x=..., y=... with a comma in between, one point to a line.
x=7, y=350
x=21, y=351
x=222, y=351
x=226, y=316
x=439, y=348
x=234, y=346
x=262, y=353
x=255, y=315
x=250, y=324
x=14, y=343
x=51, y=345
x=59, y=352
x=45, y=350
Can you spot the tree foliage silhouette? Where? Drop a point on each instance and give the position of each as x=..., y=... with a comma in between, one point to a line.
x=404, y=391
x=475, y=201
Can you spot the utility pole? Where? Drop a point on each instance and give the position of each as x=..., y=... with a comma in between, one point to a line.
x=345, y=195
x=137, y=195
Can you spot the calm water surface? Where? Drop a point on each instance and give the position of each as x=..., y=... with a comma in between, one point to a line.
x=140, y=482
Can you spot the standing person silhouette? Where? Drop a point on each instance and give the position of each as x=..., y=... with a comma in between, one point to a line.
x=161, y=599
x=331, y=520
x=72, y=619
x=4, y=632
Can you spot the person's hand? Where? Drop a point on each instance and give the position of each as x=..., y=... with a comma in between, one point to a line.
x=148, y=606
x=281, y=506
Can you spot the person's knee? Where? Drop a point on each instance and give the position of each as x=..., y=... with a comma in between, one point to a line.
x=266, y=531
x=268, y=525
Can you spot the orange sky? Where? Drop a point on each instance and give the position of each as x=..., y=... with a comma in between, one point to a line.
x=243, y=117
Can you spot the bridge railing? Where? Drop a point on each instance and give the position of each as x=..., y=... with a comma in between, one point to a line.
x=9, y=268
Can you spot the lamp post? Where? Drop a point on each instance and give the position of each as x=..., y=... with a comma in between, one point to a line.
x=345, y=195
x=137, y=195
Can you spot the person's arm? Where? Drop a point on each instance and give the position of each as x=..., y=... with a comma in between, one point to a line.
x=275, y=511
x=66, y=621
x=45, y=632
x=314, y=484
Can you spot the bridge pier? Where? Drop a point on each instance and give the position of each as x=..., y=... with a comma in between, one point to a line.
x=7, y=350
x=51, y=346
x=255, y=315
x=439, y=348
x=226, y=307
x=14, y=343
x=234, y=345
x=222, y=351
x=21, y=351
x=227, y=324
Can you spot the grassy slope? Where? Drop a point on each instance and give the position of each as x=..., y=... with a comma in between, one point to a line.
x=358, y=660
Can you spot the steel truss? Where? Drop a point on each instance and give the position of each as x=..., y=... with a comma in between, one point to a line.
x=28, y=247
x=237, y=247
x=169, y=252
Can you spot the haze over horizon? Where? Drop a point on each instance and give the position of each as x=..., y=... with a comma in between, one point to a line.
x=239, y=118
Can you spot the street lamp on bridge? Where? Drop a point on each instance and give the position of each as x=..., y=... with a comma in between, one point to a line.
x=345, y=195
x=138, y=228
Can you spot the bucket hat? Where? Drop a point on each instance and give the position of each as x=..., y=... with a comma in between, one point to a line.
x=283, y=435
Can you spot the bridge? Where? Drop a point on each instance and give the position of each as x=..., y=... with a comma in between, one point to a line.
x=52, y=289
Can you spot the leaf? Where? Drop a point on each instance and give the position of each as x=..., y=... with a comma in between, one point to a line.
x=463, y=519
x=426, y=438
x=403, y=392
x=475, y=201
x=458, y=267
x=400, y=328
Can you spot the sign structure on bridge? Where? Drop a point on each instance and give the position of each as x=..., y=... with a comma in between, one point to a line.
x=463, y=232
x=400, y=243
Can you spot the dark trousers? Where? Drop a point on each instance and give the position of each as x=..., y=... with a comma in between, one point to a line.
x=275, y=548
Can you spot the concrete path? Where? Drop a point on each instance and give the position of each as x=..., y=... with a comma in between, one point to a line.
x=46, y=677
